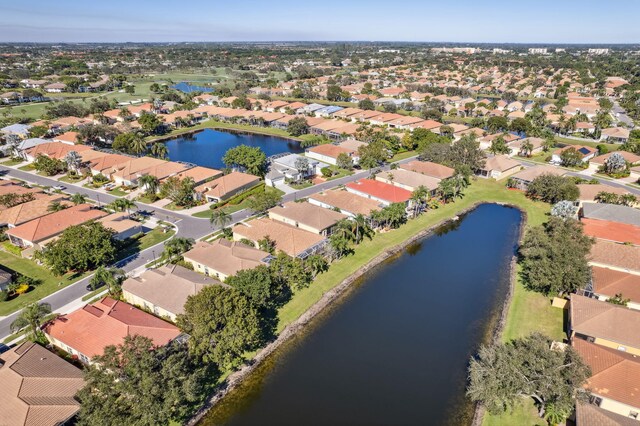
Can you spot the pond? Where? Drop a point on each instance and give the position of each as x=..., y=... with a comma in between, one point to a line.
x=187, y=87
x=206, y=148
x=395, y=350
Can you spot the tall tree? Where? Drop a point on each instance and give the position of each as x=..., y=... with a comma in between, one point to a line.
x=554, y=257
x=137, y=383
x=222, y=325
x=502, y=374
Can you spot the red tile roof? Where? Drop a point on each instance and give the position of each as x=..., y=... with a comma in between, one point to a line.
x=380, y=190
x=107, y=322
x=612, y=231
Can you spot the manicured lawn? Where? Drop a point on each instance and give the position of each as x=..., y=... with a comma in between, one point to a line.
x=117, y=192
x=523, y=415
x=593, y=144
x=27, y=168
x=150, y=239
x=49, y=283
x=12, y=162
x=301, y=185
x=71, y=179
x=480, y=190
x=403, y=155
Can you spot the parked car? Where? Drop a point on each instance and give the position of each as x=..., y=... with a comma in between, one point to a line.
x=59, y=188
x=89, y=288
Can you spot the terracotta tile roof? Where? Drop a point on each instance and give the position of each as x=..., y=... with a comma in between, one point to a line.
x=167, y=287
x=501, y=163
x=529, y=174
x=308, y=214
x=380, y=190
x=592, y=415
x=291, y=240
x=408, y=178
x=347, y=202
x=226, y=257
x=38, y=387
x=611, y=231
x=329, y=150
x=57, y=150
x=588, y=192
x=107, y=322
x=609, y=282
x=67, y=137
x=219, y=188
x=593, y=318
x=50, y=225
x=105, y=164
x=614, y=374
x=134, y=167
x=428, y=168
x=616, y=255
x=25, y=212
x=628, y=156
x=199, y=174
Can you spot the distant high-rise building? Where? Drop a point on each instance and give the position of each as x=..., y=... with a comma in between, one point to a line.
x=598, y=51
x=538, y=51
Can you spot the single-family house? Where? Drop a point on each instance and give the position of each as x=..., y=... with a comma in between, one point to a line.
x=226, y=186
x=429, y=168
x=499, y=167
x=607, y=283
x=222, y=258
x=523, y=178
x=382, y=192
x=306, y=216
x=345, y=202
x=613, y=381
x=38, y=232
x=87, y=331
x=293, y=241
x=605, y=324
x=25, y=212
x=164, y=290
x=38, y=387
x=406, y=179
x=615, y=135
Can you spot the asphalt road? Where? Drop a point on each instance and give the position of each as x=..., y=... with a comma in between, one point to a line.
x=188, y=226
x=621, y=114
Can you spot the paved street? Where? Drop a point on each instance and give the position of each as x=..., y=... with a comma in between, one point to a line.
x=187, y=226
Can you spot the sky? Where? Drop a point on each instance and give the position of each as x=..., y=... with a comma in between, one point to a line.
x=488, y=21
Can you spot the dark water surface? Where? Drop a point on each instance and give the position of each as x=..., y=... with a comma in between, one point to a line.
x=395, y=350
x=206, y=148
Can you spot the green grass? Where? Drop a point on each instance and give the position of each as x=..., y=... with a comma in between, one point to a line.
x=15, y=250
x=480, y=191
x=301, y=185
x=71, y=179
x=524, y=414
x=93, y=293
x=49, y=283
x=403, y=155
x=593, y=144
x=117, y=192
x=12, y=162
x=27, y=168
x=150, y=239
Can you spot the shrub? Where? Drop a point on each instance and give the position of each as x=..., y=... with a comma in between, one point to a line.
x=326, y=172
x=22, y=288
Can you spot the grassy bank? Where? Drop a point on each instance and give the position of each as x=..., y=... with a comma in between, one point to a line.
x=526, y=313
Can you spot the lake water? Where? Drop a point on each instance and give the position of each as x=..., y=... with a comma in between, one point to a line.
x=395, y=350
x=187, y=87
x=206, y=148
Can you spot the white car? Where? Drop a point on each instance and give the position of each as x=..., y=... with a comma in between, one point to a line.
x=59, y=188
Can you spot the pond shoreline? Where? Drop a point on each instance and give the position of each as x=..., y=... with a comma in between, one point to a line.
x=216, y=126
x=236, y=378
x=498, y=329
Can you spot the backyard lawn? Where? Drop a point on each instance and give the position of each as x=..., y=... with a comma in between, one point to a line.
x=49, y=283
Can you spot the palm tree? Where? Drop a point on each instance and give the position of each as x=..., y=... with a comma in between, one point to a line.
x=150, y=184
x=344, y=230
x=56, y=206
x=31, y=317
x=122, y=204
x=220, y=218
x=361, y=228
x=159, y=150
x=174, y=248
x=628, y=200
x=111, y=277
x=78, y=199
x=139, y=145
x=418, y=198
x=316, y=264
x=527, y=148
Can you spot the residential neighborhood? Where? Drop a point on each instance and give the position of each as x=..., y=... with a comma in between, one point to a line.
x=196, y=228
